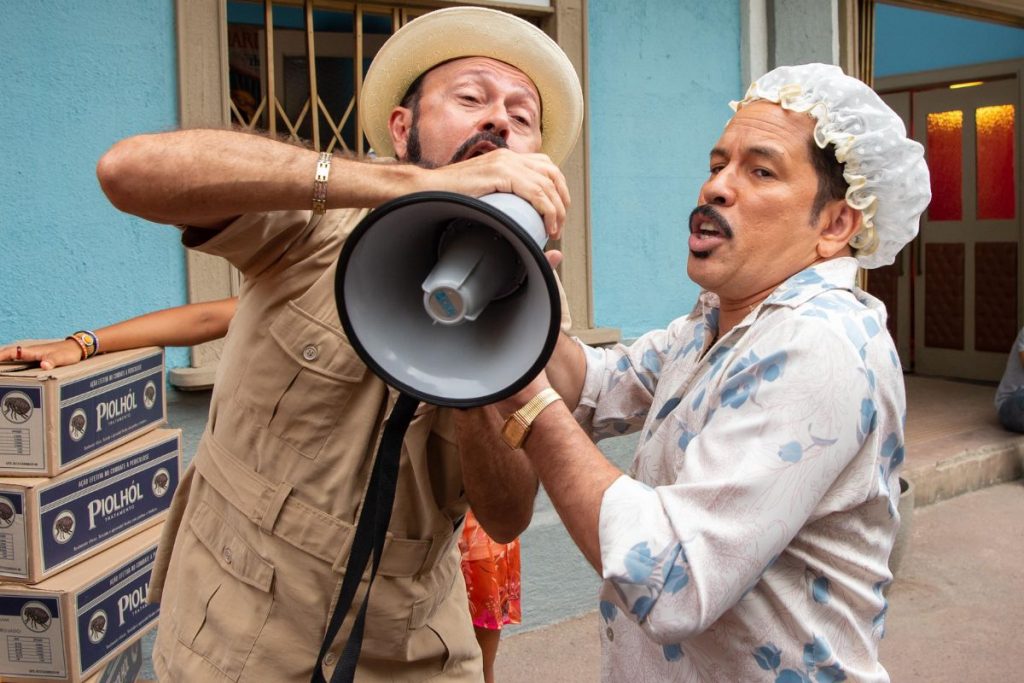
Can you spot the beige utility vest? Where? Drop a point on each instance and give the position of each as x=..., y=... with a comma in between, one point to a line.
x=263, y=522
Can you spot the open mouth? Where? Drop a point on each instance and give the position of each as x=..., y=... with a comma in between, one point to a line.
x=708, y=229
x=478, y=145
x=479, y=149
x=704, y=229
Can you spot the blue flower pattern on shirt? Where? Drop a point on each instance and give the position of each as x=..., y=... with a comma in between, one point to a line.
x=878, y=621
x=816, y=660
x=744, y=380
x=653, y=573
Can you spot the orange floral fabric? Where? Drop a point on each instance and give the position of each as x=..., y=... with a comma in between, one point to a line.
x=492, y=576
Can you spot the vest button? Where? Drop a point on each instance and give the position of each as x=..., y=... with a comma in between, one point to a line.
x=226, y=554
x=310, y=353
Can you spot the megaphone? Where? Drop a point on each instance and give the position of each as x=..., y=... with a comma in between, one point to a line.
x=449, y=298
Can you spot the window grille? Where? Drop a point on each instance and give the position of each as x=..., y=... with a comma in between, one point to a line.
x=274, y=85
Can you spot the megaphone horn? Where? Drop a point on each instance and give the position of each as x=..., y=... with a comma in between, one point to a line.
x=449, y=298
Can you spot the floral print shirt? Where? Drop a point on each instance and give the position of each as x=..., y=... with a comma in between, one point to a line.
x=750, y=541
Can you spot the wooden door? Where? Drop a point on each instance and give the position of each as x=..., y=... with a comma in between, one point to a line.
x=966, y=259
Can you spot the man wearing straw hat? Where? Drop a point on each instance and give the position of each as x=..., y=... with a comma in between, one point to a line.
x=750, y=539
x=250, y=564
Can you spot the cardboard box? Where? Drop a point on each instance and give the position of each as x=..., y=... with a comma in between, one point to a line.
x=124, y=668
x=52, y=420
x=69, y=626
x=49, y=524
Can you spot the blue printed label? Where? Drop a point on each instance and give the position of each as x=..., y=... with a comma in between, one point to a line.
x=114, y=609
x=81, y=513
x=102, y=408
x=11, y=606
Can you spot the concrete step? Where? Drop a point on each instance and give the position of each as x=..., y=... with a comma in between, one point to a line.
x=954, y=442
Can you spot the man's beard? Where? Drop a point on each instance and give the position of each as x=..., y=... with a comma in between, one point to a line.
x=709, y=211
x=414, y=151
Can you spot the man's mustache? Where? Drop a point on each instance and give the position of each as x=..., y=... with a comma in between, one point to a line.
x=483, y=136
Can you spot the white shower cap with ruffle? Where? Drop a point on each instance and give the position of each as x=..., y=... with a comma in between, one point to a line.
x=886, y=172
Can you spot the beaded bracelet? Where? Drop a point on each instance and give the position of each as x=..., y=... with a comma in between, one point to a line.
x=88, y=341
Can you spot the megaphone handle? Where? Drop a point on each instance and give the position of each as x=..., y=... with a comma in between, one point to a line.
x=371, y=532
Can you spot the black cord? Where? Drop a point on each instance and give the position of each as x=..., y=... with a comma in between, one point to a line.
x=371, y=532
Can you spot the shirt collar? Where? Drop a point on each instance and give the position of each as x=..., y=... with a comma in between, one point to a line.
x=838, y=273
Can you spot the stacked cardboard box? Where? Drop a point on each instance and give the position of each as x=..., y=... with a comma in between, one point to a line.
x=87, y=473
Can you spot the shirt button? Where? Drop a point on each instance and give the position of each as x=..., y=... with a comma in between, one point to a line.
x=329, y=659
x=310, y=353
x=610, y=633
x=226, y=554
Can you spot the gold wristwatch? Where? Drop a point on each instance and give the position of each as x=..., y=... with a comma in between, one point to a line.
x=517, y=425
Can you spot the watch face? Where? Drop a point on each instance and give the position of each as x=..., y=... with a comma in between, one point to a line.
x=513, y=433
x=87, y=339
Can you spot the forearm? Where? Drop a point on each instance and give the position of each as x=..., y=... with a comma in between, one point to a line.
x=566, y=370
x=575, y=475
x=180, y=326
x=206, y=177
x=500, y=483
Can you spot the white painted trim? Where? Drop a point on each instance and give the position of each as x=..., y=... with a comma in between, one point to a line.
x=835, y=32
x=753, y=40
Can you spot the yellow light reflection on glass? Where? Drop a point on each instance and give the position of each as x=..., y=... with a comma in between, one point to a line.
x=945, y=161
x=995, y=162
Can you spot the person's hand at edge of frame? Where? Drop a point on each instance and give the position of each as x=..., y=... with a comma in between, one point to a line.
x=49, y=355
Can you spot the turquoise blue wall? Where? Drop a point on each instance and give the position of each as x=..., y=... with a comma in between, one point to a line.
x=909, y=40
x=662, y=73
x=78, y=76
x=77, y=79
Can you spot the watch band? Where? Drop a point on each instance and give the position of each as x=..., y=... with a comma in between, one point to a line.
x=517, y=425
x=529, y=412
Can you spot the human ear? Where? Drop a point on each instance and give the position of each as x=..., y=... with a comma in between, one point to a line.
x=400, y=125
x=841, y=223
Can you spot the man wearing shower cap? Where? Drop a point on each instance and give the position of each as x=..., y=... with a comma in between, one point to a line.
x=750, y=540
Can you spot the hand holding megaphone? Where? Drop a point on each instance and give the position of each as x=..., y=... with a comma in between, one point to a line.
x=532, y=176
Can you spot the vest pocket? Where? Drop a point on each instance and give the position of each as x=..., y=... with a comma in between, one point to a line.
x=224, y=594
x=299, y=388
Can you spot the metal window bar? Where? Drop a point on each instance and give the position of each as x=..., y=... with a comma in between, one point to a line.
x=327, y=133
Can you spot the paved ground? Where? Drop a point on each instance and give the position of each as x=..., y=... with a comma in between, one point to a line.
x=956, y=609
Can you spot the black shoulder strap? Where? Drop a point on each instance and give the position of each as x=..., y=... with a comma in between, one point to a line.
x=371, y=531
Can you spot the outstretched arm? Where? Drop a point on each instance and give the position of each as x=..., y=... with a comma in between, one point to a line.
x=573, y=470
x=180, y=326
x=500, y=482
x=205, y=178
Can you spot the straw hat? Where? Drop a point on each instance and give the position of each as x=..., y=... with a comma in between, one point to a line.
x=456, y=32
